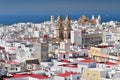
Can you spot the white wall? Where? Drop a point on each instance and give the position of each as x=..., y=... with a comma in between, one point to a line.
x=59, y=78
x=76, y=38
x=83, y=51
x=61, y=56
x=113, y=59
x=71, y=77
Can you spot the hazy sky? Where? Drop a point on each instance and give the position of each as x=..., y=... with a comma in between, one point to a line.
x=33, y=7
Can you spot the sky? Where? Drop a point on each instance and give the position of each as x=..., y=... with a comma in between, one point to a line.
x=73, y=7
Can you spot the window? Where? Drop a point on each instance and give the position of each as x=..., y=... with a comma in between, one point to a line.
x=112, y=75
x=16, y=69
x=64, y=56
x=94, y=75
x=61, y=35
x=82, y=70
x=69, y=36
x=84, y=54
x=88, y=74
x=65, y=78
x=30, y=50
x=12, y=68
x=78, y=78
x=65, y=36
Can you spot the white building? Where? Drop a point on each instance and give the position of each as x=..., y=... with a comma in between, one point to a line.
x=67, y=76
x=76, y=37
x=65, y=46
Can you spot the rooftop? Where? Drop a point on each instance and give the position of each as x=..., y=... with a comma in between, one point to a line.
x=108, y=63
x=98, y=69
x=87, y=61
x=67, y=74
x=68, y=52
x=67, y=61
x=69, y=65
x=12, y=62
x=28, y=75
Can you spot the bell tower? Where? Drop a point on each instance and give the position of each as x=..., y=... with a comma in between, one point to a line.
x=59, y=29
x=67, y=28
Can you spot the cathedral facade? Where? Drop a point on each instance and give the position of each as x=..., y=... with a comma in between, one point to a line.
x=63, y=29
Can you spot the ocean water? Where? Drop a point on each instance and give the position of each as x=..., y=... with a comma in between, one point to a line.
x=11, y=19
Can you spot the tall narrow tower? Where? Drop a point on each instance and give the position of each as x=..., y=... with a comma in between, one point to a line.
x=52, y=19
x=99, y=20
x=59, y=29
x=44, y=51
x=93, y=17
x=67, y=28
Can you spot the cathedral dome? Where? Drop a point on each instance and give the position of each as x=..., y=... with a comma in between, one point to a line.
x=84, y=17
x=92, y=21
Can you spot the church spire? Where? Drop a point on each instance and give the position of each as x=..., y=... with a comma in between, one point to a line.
x=59, y=18
x=67, y=28
x=67, y=21
x=59, y=22
x=67, y=18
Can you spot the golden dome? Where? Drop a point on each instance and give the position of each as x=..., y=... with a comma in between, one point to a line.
x=92, y=21
x=84, y=17
x=83, y=20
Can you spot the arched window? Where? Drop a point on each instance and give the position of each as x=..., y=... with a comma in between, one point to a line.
x=61, y=36
x=63, y=56
x=65, y=36
x=84, y=55
x=69, y=35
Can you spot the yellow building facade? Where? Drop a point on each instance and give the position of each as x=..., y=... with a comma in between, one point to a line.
x=91, y=75
x=94, y=52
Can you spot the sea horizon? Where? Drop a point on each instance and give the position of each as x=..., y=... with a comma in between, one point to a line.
x=13, y=19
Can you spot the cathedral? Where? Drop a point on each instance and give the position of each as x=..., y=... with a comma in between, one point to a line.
x=83, y=20
x=63, y=29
